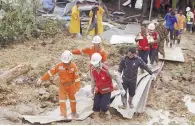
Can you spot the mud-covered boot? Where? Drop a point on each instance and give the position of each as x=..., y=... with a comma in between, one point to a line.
x=96, y=115
x=124, y=102
x=75, y=116
x=130, y=102
x=108, y=116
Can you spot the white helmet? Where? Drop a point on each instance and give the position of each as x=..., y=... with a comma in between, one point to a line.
x=96, y=58
x=151, y=26
x=66, y=56
x=188, y=9
x=96, y=39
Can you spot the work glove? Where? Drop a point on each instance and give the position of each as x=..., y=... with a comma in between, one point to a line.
x=153, y=77
x=123, y=92
x=39, y=83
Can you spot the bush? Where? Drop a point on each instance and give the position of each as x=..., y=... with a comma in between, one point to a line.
x=21, y=23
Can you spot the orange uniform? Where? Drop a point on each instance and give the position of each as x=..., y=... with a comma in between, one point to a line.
x=69, y=84
x=90, y=51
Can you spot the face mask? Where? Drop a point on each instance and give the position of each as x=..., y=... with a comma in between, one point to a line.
x=96, y=65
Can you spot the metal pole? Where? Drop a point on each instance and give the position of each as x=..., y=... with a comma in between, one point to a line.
x=119, y=5
x=151, y=7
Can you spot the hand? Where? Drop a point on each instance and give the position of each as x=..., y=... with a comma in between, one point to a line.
x=123, y=92
x=39, y=82
x=153, y=77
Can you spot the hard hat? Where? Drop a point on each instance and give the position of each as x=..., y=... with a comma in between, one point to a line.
x=66, y=56
x=96, y=39
x=155, y=21
x=151, y=26
x=188, y=9
x=96, y=58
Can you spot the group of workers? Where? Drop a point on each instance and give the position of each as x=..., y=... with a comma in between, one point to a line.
x=95, y=26
x=177, y=23
x=150, y=41
x=101, y=77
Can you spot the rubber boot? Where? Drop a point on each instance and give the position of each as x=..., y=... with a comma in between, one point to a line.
x=130, y=102
x=75, y=115
x=108, y=115
x=124, y=101
x=96, y=115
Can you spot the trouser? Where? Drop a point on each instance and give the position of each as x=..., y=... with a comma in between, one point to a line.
x=177, y=36
x=153, y=55
x=64, y=92
x=95, y=27
x=131, y=86
x=144, y=55
x=189, y=27
x=81, y=29
x=161, y=47
x=101, y=102
x=171, y=31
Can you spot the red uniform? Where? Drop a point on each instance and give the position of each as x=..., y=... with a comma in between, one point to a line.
x=143, y=43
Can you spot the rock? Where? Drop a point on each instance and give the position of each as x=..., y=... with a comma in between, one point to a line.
x=42, y=91
x=13, y=116
x=174, y=82
x=24, y=109
x=45, y=97
x=166, y=79
x=46, y=104
x=1, y=97
x=53, y=91
x=186, y=77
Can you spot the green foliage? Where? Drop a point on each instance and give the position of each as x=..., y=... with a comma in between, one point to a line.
x=21, y=22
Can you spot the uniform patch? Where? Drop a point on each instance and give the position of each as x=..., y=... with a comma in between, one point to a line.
x=76, y=73
x=72, y=69
x=61, y=68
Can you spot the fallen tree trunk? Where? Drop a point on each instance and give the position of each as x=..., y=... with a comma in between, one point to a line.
x=14, y=72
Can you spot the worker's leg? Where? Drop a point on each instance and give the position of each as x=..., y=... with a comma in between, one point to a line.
x=171, y=37
x=62, y=100
x=145, y=57
x=124, y=98
x=150, y=54
x=96, y=105
x=153, y=52
x=167, y=37
x=161, y=47
x=71, y=96
x=132, y=88
x=104, y=104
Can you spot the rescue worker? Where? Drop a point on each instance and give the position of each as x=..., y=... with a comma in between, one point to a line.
x=189, y=19
x=180, y=27
x=129, y=69
x=143, y=45
x=153, y=54
x=96, y=48
x=160, y=28
x=75, y=20
x=102, y=85
x=170, y=20
x=69, y=82
x=95, y=26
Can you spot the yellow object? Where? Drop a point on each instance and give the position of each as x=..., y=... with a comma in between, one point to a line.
x=181, y=19
x=75, y=20
x=99, y=21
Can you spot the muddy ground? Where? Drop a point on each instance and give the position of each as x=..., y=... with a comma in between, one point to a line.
x=22, y=97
